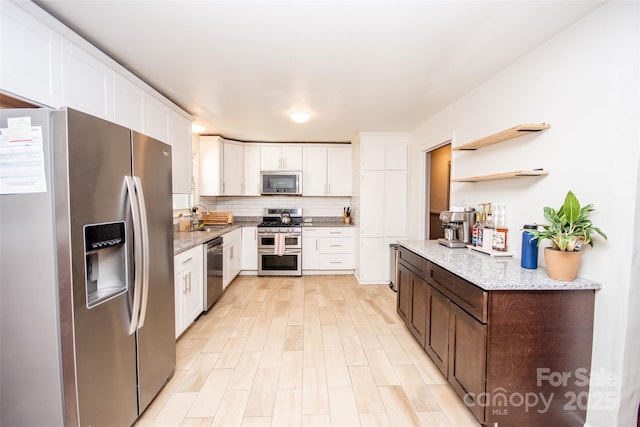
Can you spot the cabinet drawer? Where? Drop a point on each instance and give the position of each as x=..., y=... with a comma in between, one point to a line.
x=336, y=262
x=335, y=231
x=187, y=258
x=469, y=297
x=416, y=262
x=336, y=245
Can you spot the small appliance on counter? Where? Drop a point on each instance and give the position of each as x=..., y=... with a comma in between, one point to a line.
x=457, y=223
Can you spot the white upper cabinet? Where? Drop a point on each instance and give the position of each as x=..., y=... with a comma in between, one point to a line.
x=232, y=168
x=88, y=82
x=128, y=103
x=380, y=156
x=326, y=170
x=395, y=157
x=339, y=171
x=30, y=57
x=210, y=161
x=314, y=171
x=228, y=168
x=157, y=119
x=274, y=157
x=181, y=158
x=251, y=170
x=43, y=61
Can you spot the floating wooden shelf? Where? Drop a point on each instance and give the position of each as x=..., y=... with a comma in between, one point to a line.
x=504, y=135
x=504, y=175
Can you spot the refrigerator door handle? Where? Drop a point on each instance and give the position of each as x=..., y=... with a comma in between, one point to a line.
x=137, y=252
x=145, y=250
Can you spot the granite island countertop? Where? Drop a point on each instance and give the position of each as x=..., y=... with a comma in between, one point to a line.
x=491, y=273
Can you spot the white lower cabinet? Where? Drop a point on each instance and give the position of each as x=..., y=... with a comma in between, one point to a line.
x=327, y=249
x=189, y=287
x=231, y=256
x=250, y=249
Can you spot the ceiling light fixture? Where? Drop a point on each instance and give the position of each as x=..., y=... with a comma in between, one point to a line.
x=196, y=128
x=300, y=116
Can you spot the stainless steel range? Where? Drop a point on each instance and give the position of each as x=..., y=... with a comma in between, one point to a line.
x=280, y=243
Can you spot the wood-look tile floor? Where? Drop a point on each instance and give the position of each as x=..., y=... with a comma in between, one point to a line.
x=310, y=351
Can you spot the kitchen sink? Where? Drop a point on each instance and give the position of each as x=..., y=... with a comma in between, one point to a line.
x=211, y=228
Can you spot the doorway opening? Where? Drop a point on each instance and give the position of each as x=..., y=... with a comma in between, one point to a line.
x=437, y=188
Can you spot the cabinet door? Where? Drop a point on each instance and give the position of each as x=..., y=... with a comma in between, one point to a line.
x=251, y=170
x=232, y=168
x=180, y=289
x=156, y=119
x=236, y=257
x=291, y=157
x=249, y=248
x=181, y=158
x=30, y=57
x=418, y=312
x=467, y=358
x=339, y=171
x=373, y=157
x=310, y=253
x=270, y=157
x=395, y=204
x=226, y=264
x=314, y=171
x=395, y=156
x=374, y=260
x=437, y=329
x=404, y=293
x=372, y=204
x=88, y=82
x=128, y=104
x=194, y=295
x=210, y=157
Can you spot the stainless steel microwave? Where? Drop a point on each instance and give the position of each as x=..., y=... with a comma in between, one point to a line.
x=287, y=183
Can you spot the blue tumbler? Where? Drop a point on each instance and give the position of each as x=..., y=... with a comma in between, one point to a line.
x=529, y=258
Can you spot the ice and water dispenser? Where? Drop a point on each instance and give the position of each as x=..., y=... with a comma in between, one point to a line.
x=105, y=252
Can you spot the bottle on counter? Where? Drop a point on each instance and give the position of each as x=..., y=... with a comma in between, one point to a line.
x=487, y=229
x=475, y=230
x=529, y=256
x=501, y=231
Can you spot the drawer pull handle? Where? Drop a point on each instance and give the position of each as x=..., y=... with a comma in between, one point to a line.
x=188, y=260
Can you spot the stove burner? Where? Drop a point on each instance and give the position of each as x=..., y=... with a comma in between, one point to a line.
x=278, y=223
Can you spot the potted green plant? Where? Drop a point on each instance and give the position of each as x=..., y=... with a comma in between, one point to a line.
x=570, y=229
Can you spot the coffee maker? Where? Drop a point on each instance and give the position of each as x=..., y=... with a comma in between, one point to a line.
x=458, y=226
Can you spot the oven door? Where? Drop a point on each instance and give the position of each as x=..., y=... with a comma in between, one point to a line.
x=288, y=264
x=268, y=241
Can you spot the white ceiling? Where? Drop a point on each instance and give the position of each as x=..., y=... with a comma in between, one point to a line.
x=240, y=67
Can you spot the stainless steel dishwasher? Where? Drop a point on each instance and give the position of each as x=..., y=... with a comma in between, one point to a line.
x=213, y=272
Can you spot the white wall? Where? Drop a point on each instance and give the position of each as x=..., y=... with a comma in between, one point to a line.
x=585, y=82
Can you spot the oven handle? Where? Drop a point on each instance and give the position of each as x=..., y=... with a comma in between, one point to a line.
x=286, y=251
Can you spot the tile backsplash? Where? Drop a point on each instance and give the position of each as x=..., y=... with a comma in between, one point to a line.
x=254, y=206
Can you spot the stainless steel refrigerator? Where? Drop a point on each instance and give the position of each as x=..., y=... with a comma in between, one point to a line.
x=86, y=269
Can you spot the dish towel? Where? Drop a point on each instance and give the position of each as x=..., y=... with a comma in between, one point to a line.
x=278, y=246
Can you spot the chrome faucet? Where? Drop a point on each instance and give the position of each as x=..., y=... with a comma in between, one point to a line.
x=195, y=207
x=194, y=217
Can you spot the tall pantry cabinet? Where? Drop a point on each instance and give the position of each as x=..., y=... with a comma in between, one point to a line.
x=380, y=201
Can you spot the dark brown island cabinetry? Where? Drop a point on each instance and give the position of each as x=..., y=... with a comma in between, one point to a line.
x=515, y=357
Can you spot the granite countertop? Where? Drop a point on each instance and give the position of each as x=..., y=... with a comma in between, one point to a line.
x=491, y=273
x=183, y=240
